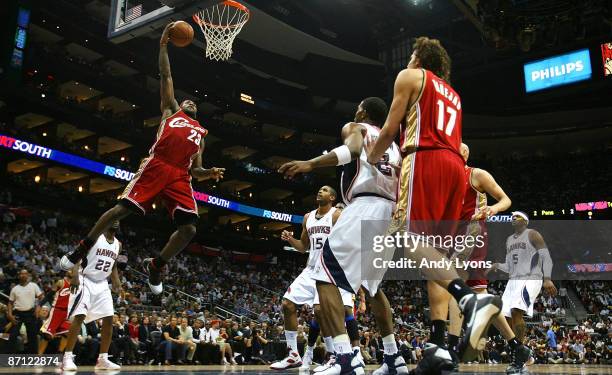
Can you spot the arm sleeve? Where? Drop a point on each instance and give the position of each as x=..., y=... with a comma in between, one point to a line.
x=547, y=263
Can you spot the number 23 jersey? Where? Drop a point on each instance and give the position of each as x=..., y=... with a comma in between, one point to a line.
x=362, y=178
x=178, y=140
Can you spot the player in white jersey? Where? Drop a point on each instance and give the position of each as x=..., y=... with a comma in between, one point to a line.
x=91, y=297
x=529, y=266
x=370, y=192
x=316, y=227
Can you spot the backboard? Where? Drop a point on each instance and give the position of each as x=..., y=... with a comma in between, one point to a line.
x=132, y=18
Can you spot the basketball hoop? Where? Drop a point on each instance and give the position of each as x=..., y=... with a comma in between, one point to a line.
x=220, y=25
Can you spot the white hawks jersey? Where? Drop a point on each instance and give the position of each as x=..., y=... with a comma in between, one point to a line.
x=360, y=177
x=98, y=264
x=318, y=231
x=522, y=257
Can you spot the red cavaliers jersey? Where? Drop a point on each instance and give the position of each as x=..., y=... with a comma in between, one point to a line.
x=474, y=200
x=434, y=122
x=62, y=296
x=178, y=140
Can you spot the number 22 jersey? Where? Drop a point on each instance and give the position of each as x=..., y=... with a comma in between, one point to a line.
x=100, y=260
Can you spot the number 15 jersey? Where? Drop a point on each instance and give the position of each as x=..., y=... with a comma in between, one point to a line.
x=318, y=231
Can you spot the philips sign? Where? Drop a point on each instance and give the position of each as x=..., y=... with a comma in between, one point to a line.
x=558, y=70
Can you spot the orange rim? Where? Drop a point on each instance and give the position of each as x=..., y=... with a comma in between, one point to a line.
x=236, y=4
x=230, y=3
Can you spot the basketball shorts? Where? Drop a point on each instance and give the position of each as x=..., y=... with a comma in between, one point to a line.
x=432, y=187
x=521, y=295
x=303, y=291
x=341, y=260
x=57, y=323
x=93, y=299
x=158, y=178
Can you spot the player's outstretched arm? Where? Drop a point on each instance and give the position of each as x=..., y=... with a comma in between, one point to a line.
x=484, y=182
x=168, y=103
x=201, y=173
x=352, y=135
x=537, y=241
x=303, y=243
x=407, y=86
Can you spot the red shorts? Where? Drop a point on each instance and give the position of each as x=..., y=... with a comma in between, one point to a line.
x=57, y=323
x=158, y=178
x=432, y=187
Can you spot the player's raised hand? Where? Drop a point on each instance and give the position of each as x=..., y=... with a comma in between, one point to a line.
x=292, y=168
x=166, y=34
x=286, y=235
x=217, y=173
x=549, y=287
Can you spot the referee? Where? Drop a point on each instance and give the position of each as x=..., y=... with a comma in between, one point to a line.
x=22, y=308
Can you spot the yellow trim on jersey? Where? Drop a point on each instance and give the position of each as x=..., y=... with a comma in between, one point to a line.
x=409, y=143
x=405, y=193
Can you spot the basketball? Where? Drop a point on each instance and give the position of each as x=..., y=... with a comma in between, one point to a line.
x=181, y=34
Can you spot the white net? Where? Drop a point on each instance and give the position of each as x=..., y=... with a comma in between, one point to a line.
x=220, y=25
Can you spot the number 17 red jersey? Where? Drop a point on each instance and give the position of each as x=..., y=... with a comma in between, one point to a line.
x=434, y=122
x=432, y=178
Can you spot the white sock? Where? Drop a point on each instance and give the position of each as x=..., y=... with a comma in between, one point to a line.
x=329, y=344
x=342, y=344
x=356, y=348
x=103, y=356
x=309, y=349
x=389, y=344
x=291, y=337
x=68, y=354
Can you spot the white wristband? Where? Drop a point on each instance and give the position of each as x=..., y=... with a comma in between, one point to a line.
x=343, y=154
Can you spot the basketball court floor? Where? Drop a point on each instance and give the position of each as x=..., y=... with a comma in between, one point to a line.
x=253, y=370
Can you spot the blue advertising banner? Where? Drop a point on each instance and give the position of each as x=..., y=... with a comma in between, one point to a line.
x=558, y=70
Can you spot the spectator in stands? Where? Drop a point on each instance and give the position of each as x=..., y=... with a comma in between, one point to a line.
x=563, y=295
x=144, y=335
x=187, y=346
x=552, y=338
x=170, y=340
x=199, y=334
x=135, y=346
x=23, y=309
x=216, y=338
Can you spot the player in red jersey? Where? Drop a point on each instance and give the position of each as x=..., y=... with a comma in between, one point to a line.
x=474, y=214
x=427, y=113
x=176, y=152
x=57, y=324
